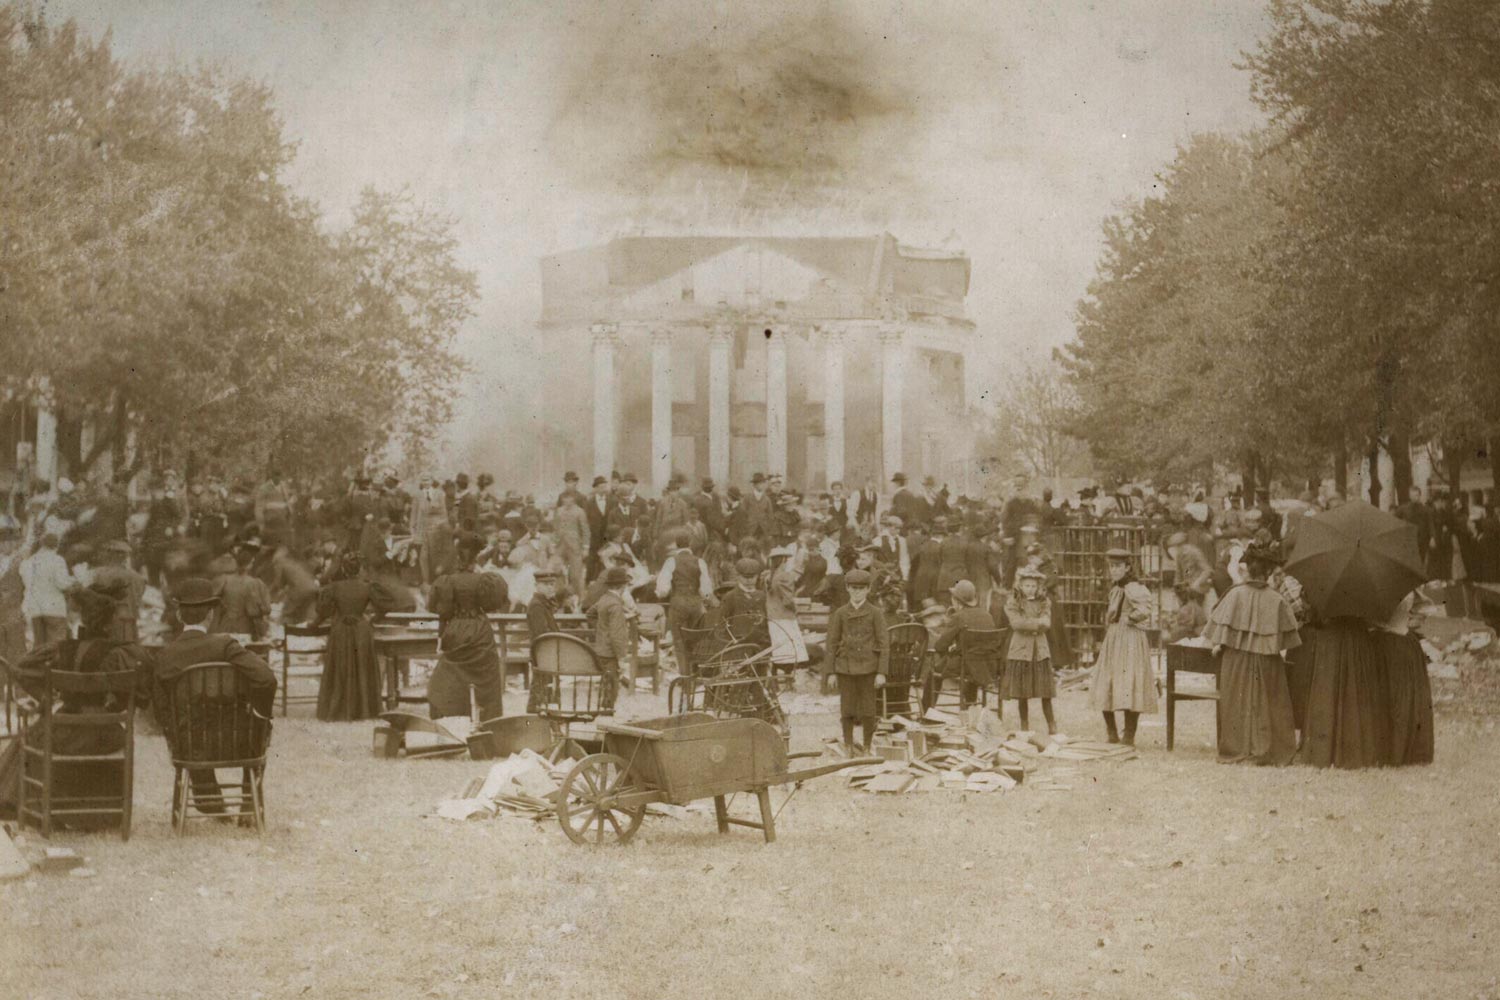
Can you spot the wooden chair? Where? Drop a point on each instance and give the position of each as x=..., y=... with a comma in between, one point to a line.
x=302, y=672
x=1189, y=660
x=908, y=654
x=576, y=688
x=651, y=626
x=210, y=723
x=690, y=648
x=979, y=661
x=40, y=757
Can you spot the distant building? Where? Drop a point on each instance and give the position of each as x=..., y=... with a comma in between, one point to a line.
x=820, y=358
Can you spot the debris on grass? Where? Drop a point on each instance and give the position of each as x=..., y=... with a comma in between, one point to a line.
x=970, y=755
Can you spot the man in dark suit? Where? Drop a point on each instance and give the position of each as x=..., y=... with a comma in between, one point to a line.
x=904, y=503
x=628, y=511
x=760, y=510
x=570, y=485
x=196, y=600
x=838, y=505
x=709, y=511
x=596, y=508
x=869, y=502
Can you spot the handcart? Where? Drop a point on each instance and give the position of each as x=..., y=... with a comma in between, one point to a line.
x=677, y=760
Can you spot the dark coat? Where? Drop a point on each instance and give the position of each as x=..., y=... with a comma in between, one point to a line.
x=193, y=647
x=857, y=641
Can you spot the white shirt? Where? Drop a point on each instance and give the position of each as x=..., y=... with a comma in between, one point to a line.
x=47, y=580
x=828, y=548
x=664, y=578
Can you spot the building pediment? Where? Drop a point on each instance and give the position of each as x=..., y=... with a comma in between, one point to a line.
x=746, y=276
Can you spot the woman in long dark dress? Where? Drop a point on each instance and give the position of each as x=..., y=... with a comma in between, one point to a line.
x=1348, y=717
x=350, y=688
x=1408, y=690
x=1250, y=628
x=469, y=658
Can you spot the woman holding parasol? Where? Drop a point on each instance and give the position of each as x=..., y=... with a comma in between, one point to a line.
x=1356, y=565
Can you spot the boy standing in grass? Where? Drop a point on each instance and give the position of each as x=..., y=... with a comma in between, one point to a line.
x=858, y=654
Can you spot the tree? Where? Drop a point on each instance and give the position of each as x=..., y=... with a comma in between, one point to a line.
x=158, y=274
x=1385, y=286
x=1029, y=431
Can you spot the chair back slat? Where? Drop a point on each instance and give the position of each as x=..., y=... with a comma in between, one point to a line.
x=563, y=655
x=209, y=716
x=107, y=682
x=908, y=648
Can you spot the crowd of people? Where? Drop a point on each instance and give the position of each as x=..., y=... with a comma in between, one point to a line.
x=461, y=549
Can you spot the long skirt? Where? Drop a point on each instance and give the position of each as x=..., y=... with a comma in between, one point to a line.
x=1409, y=693
x=1255, y=709
x=1060, y=643
x=1122, y=678
x=1022, y=679
x=1348, y=718
x=350, y=688
x=1299, y=671
x=469, y=660
x=787, y=644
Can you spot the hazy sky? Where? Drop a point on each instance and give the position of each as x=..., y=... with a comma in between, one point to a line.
x=1013, y=127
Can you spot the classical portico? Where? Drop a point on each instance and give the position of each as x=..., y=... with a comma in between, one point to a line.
x=822, y=360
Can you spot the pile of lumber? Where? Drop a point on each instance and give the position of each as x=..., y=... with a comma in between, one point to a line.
x=943, y=752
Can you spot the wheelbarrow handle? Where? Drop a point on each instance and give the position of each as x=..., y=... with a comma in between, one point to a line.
x=822, y=769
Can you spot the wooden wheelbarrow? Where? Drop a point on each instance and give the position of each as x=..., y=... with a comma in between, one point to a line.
x=677, y=760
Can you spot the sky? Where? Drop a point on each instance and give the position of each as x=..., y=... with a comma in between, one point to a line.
x=1009, y=129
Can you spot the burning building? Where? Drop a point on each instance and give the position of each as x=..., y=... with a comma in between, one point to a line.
x=820, y=358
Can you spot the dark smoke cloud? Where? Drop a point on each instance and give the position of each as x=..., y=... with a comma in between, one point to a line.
x=697, y=111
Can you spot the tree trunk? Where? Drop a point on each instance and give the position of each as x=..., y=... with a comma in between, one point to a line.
x=1375, y=474
x=1248, y=474
x=1341, y=469
x=1453, y=463
x=1399, y=445
x=1494, y=449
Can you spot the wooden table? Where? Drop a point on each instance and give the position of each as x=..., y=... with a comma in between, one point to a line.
x=1192, y=660
x=396, y=646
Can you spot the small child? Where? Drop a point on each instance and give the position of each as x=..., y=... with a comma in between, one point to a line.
x=1028, y=667
x=858, y=654
x=1188, y=620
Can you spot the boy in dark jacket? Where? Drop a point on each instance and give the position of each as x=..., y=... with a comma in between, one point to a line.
x=858, y=654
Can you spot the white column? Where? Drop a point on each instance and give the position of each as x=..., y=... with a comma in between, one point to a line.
x=606, y=340
x=661, y=409
x=833, y=405
x=776, y=401
x=46, y=436
x=718, y=405
x=892, y=393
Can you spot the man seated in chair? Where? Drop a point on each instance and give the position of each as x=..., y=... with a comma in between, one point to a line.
x=966, y=615
x=197, y=600
x=541, y=618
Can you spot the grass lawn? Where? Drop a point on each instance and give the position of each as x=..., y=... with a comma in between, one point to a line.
x=1170, y=876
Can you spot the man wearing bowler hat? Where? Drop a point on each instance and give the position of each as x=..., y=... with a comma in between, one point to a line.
x=904, y=503
x=196, y=600
x=596, y=508
x=570, y=485
x=610, y=617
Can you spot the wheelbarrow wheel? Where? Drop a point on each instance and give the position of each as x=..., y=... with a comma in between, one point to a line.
x=587, y=805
